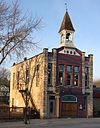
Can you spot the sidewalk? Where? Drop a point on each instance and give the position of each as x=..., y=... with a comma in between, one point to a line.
x=12, y=124
x=55, y=123
x=20, y=124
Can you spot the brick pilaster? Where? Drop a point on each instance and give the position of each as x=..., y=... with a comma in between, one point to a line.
x=44, y=88
x=83, y=72
x=54, y=68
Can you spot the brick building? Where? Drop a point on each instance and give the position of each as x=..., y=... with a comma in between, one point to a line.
x=58, y=83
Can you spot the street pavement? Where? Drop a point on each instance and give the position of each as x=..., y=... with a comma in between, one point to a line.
x=55, y=123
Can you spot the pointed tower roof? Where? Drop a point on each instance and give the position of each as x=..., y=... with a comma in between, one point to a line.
x=66, y=23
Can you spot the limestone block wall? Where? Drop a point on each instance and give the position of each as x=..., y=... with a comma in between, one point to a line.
x=36, y=66
x=88, y=90
x=90, y=103
x=44, y=113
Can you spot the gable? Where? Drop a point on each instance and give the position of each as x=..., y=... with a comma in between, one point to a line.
x=69, y=51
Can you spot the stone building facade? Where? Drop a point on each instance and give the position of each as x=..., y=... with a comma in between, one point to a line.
x=58, y=83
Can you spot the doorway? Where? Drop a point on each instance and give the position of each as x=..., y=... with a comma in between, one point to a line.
x=51, y=106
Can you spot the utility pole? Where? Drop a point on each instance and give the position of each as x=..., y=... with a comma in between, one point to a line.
x=25, y=92
x=26, y=104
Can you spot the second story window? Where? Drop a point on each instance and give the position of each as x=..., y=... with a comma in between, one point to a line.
x=27, y=75
x=37, y=74
x=49, y=73
x=61, y=74
x=18, y=75
x=86, y=76
x=13, y=80
x=69, y=75
x=76, y=76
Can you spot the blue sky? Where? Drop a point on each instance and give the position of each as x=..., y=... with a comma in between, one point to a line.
x=85, y=16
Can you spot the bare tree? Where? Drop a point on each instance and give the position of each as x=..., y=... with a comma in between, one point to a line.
x=4, y=77
x=97, y=83
x=16, y=31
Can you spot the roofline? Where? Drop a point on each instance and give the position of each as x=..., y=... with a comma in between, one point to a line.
x=27, y=59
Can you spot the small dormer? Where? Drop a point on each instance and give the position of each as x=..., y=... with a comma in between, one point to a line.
x=66, y=32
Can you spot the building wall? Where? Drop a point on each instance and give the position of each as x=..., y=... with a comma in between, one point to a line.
x=84, y=94
x=37, y=79
x=89, y=89
x=41, y=94
x=70, y=60
x=96, y=101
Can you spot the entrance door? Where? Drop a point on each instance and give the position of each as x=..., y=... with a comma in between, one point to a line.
x=52, y=108
x=69, y=109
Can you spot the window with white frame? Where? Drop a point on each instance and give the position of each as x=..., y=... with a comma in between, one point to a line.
x=76, y=76
x=69, y=75
x=61, y=74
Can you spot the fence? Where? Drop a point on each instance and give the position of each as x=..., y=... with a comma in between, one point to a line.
x=11, y=112
x=7, y=112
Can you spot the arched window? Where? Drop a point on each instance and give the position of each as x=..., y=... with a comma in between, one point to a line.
x=67, y=36
x=69, y=98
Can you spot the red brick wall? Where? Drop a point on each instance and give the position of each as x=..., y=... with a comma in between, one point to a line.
x=70, y=60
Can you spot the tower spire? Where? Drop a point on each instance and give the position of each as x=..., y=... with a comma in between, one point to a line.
x=66, y=31
x=66, y=23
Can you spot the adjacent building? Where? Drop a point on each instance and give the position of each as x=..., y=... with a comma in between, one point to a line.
x=57, y=83
x=4, y=94
x=96, y=101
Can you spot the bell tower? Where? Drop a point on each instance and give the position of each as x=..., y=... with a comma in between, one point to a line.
x=66, y=32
